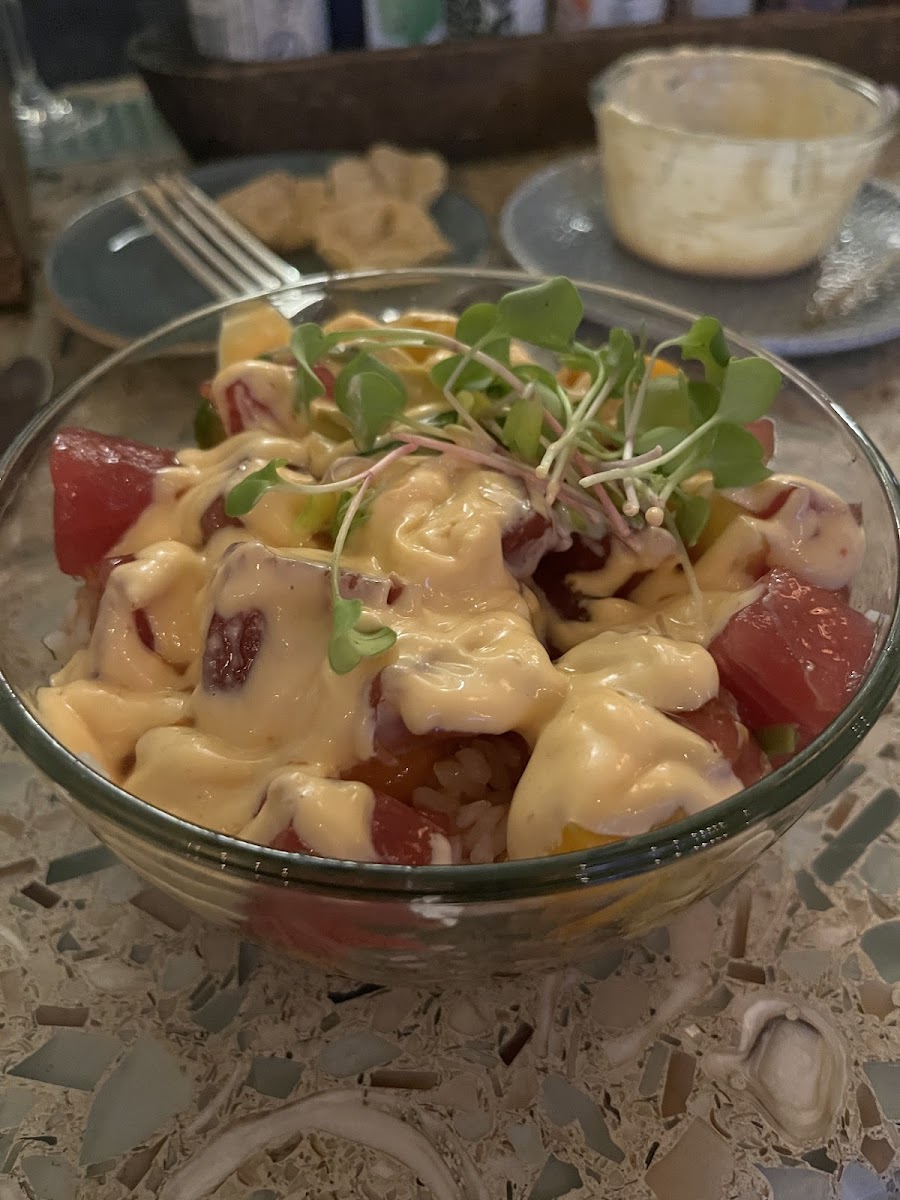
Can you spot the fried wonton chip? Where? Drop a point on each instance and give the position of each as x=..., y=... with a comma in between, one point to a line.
x=309, y=202
x=379, y=233
x=352, y=181
x=386, y=171
x=418, y=178
x=280, y=210
x=366, y=211
x=261, y=204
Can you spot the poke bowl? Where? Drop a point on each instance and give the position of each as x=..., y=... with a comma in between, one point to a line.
x=451, y=624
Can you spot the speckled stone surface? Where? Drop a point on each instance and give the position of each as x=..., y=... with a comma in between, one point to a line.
x=132, y=1036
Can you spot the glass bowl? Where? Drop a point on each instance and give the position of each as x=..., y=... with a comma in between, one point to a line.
x=425, y=924
x=734, y=163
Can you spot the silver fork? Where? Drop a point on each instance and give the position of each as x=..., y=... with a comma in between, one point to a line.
x=217, y=250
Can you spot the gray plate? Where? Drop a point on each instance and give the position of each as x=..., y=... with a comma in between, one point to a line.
x=554, y=224
x=115, y=283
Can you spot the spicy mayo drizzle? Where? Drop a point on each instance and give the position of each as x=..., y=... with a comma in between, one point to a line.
x=218, y=704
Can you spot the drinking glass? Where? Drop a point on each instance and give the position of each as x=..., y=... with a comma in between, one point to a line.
x=43, y=117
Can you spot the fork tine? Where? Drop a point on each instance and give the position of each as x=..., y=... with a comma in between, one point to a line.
x=200, y=239
x=254, y=266
x=214, y=283
x=244, y=242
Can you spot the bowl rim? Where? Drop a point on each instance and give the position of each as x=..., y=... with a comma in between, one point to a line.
x=884, y=99
x=519, y=878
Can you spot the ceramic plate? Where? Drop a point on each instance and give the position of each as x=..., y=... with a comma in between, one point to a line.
x=114, y=282
x=555, y=225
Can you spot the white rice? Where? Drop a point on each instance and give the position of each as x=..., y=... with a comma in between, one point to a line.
x=476, y=786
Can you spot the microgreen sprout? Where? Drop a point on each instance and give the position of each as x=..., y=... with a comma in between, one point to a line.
x=209, y=430
x=247, y=494
x=349, y=644
x=612, y=456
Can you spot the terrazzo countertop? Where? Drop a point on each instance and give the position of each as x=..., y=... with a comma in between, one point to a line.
x=133, y=1036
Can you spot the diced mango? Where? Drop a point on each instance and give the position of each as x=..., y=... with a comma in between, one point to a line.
x=347, y=321
x=575, y=837
x=575, y=382
x=430, y=323
x=721, y=514
x=316, y=514
x=661, y=368
x=250, y=330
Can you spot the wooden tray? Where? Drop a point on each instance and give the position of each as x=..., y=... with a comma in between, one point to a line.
x=465, y=99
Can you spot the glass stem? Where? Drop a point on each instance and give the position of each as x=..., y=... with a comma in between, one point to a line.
x=28, y=88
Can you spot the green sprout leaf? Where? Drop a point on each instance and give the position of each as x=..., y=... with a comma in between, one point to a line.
x=477, y=404
x=477, y=323
x=748, y=390
x=371, y=395
x=619, y=358
x=667, y=437
x=348, y=646
x=438, y=421
x=705, y=343
x=208, y=428
x=691, y=517
x=315, y=515
x=307, y=387
x=372, y=404
x=442, y=419
x=473, y=376
x=246, y=494
x=546, y=387
x=308, y=344
x=532, y=373
x=736, y=458
x=479, y=328
x=522, y=429
x=547, y=314
x=666, y=402
x=703, y=401
x=581, y=358
x=360, y=517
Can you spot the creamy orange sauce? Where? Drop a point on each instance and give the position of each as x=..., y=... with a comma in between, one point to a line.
x=470, y=655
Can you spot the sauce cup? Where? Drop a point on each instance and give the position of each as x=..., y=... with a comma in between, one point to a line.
x=734, y=163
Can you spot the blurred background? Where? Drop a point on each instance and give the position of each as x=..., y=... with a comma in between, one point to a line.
x=79, y=40
x=76, y=40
